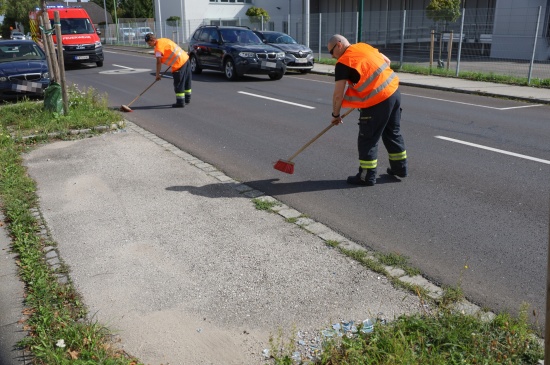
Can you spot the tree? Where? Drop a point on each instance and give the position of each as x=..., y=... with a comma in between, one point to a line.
x=255, y=14
x=17, y=11
x=443, y=10
x=136, y=9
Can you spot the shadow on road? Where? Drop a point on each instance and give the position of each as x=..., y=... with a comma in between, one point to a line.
x=272, y=187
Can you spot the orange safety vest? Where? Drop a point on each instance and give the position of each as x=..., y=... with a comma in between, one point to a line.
x=172, y=54
x=377, y=82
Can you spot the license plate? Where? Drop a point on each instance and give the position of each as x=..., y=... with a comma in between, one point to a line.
x=81, y=57
x=27, y=86
x=269, y=64
x=301, y=60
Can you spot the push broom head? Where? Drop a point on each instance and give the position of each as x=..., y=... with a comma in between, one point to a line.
x=285, y=166
x=125, y=108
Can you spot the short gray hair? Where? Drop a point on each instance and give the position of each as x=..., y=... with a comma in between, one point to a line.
x=338, y=38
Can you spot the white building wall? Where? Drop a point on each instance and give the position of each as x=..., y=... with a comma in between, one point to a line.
x=193, y=12
x=514, y=30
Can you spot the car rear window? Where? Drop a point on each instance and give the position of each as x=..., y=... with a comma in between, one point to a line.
x=240, y=36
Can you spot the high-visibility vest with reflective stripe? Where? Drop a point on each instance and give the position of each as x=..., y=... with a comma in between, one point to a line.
x=172, y=54
x=377, y=82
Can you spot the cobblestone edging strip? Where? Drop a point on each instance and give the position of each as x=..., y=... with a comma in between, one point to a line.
x=316, y=228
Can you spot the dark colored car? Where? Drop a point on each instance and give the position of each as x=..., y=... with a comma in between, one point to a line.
x=234, y=50
x=297, y=56
x=23, y=69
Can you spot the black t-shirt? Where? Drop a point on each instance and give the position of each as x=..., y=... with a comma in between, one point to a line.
x=343, y=72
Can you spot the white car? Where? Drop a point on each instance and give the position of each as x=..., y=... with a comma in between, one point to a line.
x=17, y=36
x=127, y=33
x=142, y=31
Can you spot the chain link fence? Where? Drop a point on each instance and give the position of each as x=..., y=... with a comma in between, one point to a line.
x=515, y=43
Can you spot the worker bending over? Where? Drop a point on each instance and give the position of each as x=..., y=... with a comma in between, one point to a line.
x=173, y=56
x=364, y=80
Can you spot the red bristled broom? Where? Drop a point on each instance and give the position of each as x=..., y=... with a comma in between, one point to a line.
x=287, y=166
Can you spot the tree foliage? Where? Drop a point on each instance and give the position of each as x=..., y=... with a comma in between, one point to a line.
x=16, y=11
x=446, y=10
x=136, y=9
x=173, y=20
x=255, y=14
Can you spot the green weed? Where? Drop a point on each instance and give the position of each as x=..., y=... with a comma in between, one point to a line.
x=261, y=204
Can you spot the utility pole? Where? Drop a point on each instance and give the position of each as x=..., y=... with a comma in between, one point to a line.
x=116, y=20
x=106, y=22
x=360, y=23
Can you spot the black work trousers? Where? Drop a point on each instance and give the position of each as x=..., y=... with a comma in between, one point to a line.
x=182, y=82
x=381, y=121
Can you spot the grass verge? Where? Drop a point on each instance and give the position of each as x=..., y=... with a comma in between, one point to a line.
x=59, y=331
x=442, y=337
x=440, y=334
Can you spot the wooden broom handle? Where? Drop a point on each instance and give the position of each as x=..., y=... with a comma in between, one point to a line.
x=148, y=87
x=317, y=136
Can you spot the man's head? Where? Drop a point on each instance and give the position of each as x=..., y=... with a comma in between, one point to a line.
x=150, y=39
x=336, y=46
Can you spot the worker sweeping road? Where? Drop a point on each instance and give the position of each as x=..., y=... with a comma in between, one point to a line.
x=173, y=56
x=373, y=88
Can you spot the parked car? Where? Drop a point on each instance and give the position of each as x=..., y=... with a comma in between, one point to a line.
x=234, y=50
x=17, y=36
x=142, y=31
x=127, y=33
x=23, y=69
x=297, y=56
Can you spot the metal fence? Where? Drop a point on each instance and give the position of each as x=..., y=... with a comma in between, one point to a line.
x=511, y=44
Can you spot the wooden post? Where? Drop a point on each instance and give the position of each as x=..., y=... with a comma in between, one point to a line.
x=432, y=49
x=48, y=45
x=61, y=62
x=440, y=48
x=449, y=49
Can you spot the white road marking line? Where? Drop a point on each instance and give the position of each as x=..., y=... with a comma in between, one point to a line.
x=277, y=100
x=478, y=105
x=519, y=107
x=303, y=78
x=495, y=150
x=129, y=68
x=123, y=70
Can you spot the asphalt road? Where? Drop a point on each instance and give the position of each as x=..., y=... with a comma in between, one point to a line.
x=467, y=215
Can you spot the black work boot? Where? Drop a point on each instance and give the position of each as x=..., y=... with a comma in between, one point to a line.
x=187, y=99
x=398, y=168
x=364, y=177
x=179, y=104
x=393, y=173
